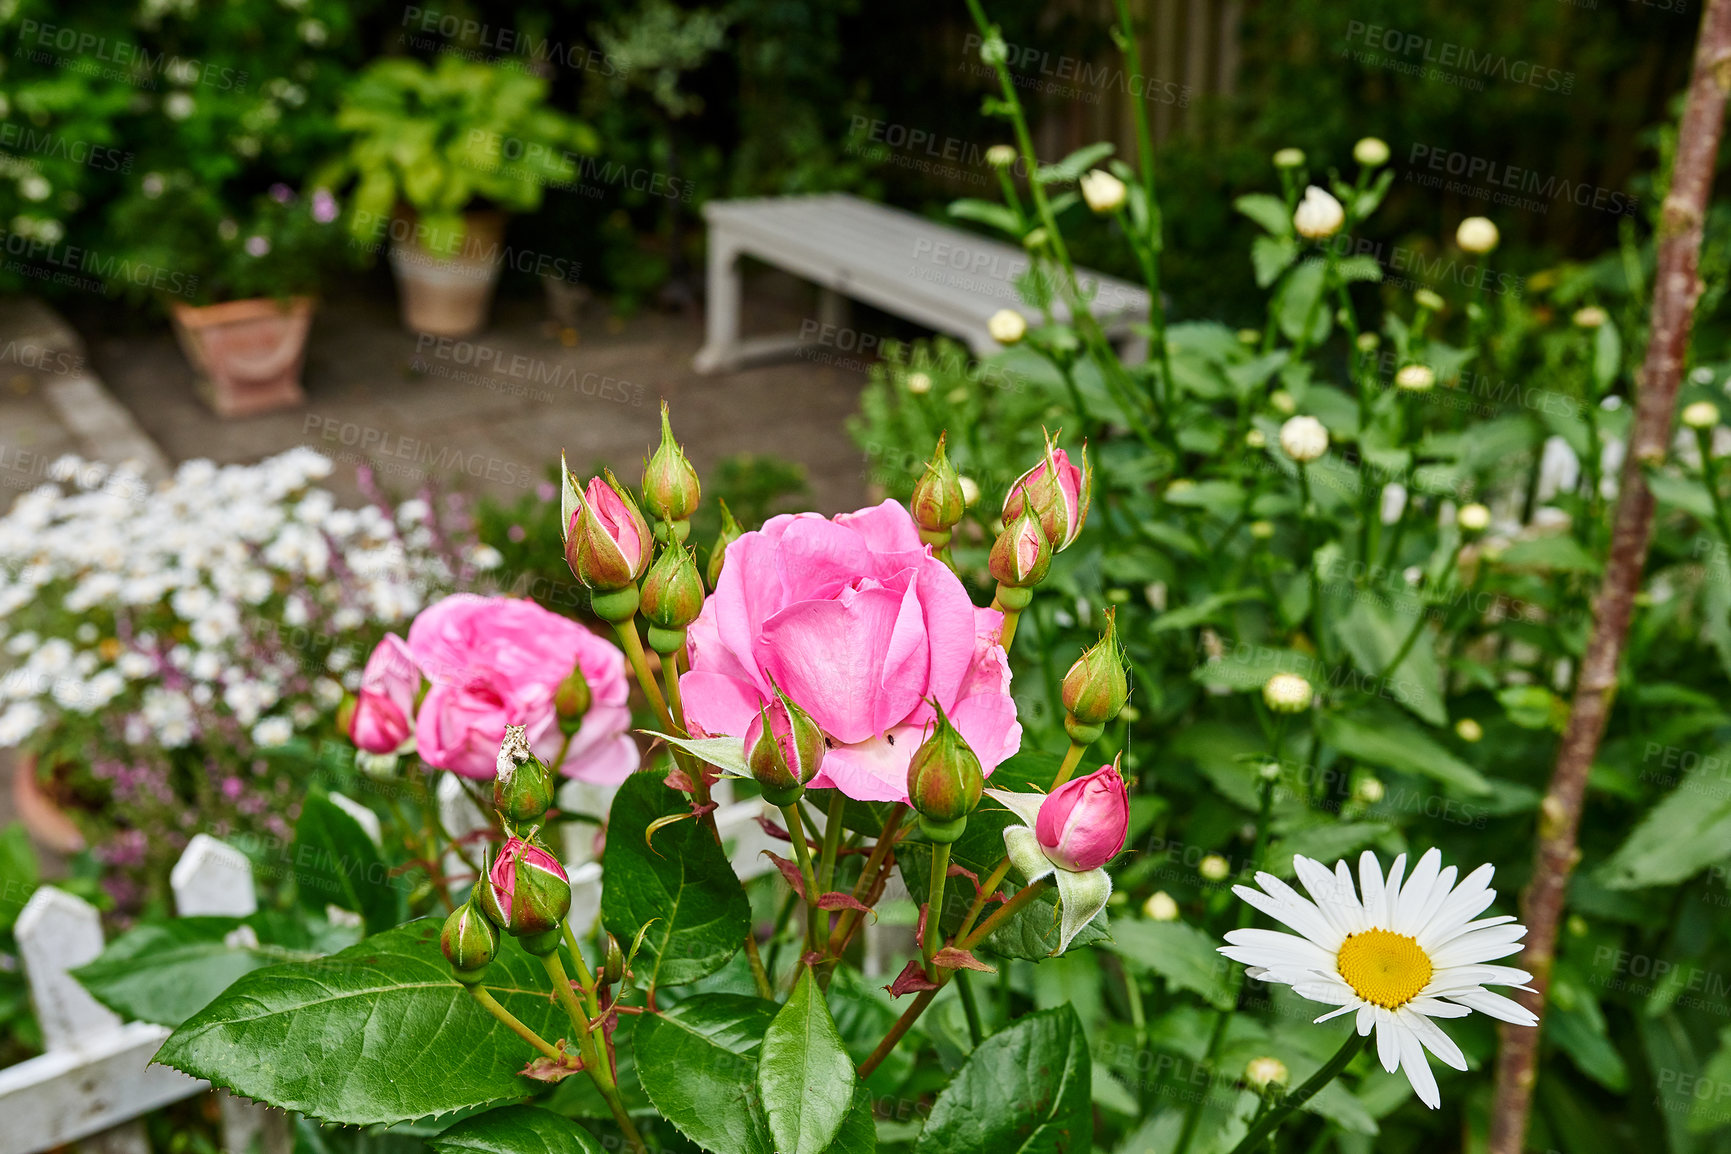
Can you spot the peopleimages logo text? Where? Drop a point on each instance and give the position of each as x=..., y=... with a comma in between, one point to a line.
x=1413, y=46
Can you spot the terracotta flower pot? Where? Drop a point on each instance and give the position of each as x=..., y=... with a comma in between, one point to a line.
x=248, y=354
x=445, y=286
x=48, y=824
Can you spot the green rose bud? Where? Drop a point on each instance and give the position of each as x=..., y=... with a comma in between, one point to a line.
x=613, y=969
x=670, y=486
x=937, y=502
x=572, y=700
x=470, y=942
x=784, y=748
x=522, y=786
x=672, y=597
x=944, y=782
x=1096, y=686
x=730, y=532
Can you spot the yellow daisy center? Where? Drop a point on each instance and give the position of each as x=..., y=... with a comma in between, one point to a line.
x=1385, y=968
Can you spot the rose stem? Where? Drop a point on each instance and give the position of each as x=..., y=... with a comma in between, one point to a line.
x=817, y=928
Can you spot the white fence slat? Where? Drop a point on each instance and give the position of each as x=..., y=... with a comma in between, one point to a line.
x=56, y=932
x=213, y=879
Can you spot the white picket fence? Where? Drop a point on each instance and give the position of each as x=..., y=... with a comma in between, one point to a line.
x=94, y=1080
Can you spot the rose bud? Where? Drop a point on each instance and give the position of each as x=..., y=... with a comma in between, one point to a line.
x=607, y=543
x=670, y=485
x=1020, y=556
x=1083, y=823
x=572, y=700
x=937, y=502
x=522, y=786
x=1096, y=686
x=784, y=748
x=382, y=716
x=470, y=942
x=944, y=782
x=527, y=895
x=613, y=966
x=672, y=597
x=730, y=532
x=1058, y=492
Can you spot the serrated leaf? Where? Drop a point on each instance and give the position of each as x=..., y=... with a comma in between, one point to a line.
x=516, y=1130
x=1185, y=956
x=165, y=972
x=686, y=882
x=804, y=1072
x=1373, y=634
x=1024, y=1089
x=724, y=753
x=336, y=863
x=697, y=1061
x=1679, y=837
x=336, y=1038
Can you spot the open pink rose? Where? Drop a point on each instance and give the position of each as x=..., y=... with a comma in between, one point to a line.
x=495, y=661
x=1083, y=823
x=861, y=626
x=385, y=706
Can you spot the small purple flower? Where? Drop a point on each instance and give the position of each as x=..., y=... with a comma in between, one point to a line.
x=281, y=193
x=257, y=246
x=324, y=206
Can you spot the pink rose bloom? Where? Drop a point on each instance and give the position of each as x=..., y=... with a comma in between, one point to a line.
x=385, y=706
x=497, y=661
x=1083, y=823
x=861, y=626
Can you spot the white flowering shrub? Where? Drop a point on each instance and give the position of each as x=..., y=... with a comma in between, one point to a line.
x=173, y=656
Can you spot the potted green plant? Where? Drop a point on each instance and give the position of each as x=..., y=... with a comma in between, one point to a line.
x=239, y=283
x=439, y=154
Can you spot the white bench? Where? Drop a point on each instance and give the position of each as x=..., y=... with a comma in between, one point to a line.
x=937, y=276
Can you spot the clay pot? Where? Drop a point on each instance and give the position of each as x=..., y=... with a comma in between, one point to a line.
x=247, y=354
x=446, y=287
x=48, y=824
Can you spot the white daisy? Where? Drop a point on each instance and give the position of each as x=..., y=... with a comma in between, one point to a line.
x=1400, y=956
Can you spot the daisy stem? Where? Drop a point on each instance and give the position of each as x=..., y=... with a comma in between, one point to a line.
x=817, y=922
x=1329, y=1072
x=1071, y=758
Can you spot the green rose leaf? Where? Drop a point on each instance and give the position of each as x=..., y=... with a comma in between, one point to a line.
x=805, y=1073
x=1025, y=1088
x=516, y=1130
x=337, y=864
x=376, y=1034
x=697, y=1061
x=1183, y=955
x=681, y=882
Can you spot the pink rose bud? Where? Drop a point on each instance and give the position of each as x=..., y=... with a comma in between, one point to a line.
x=785, y=749
x=527, y=894
x=1022, y=553
x=383, y=711
x=607, y=542
x=937, y=502
x=1083, y=824
x=1058, y=492
x=670, y=486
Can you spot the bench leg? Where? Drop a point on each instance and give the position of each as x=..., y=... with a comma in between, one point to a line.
x=721, y=312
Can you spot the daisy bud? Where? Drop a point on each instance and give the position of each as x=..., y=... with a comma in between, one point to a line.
x=1007, y=326
x=1318, y=215
x=1214, y=868
x=937, y=502
x=1426, y=299
x=1368, y=790
x=1256, y=439
x=1161, y=908
x=1415, y=378
x=522, y=786
x=919, y=384
x=527, y=895
x=1058, y=492
x=1035, y=240
x=784, y=748
x=672, y=596
x=1368, y=342
x=1282, y=402
x=1477, y=235
x=1289, y=158
x=607, y=545
x=1096, y=686
x=1590, y=317
x=1304, y=439
x=572, y=700
x=470, y=942
x=1001, y=155
x=1287, y=693
x=1370, y=152
x=670, y=486
x=1469, y=730
x=1474, y=518
x=1083, y=823
x=730, y=532
x=1103, y=191
x=944, y=782
x=994, y=51
x=1261, y=530
x=1262, y=1073
x=1701, y=415
x=1021, y=555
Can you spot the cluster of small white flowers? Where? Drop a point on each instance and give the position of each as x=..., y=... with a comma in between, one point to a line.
x=233, y=556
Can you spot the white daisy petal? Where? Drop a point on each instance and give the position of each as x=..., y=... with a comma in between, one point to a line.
x=1432, y=1007
x=1416, y=893
x=1434, y=1040
x=1496, y=1006
x=1418, y=1070
x=1439, y=895
x=1284, y=905
x=1370, y=880
x=1387, y=1044
x=1391, y=890
x=1366, y=1019
x=1346, y=1009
